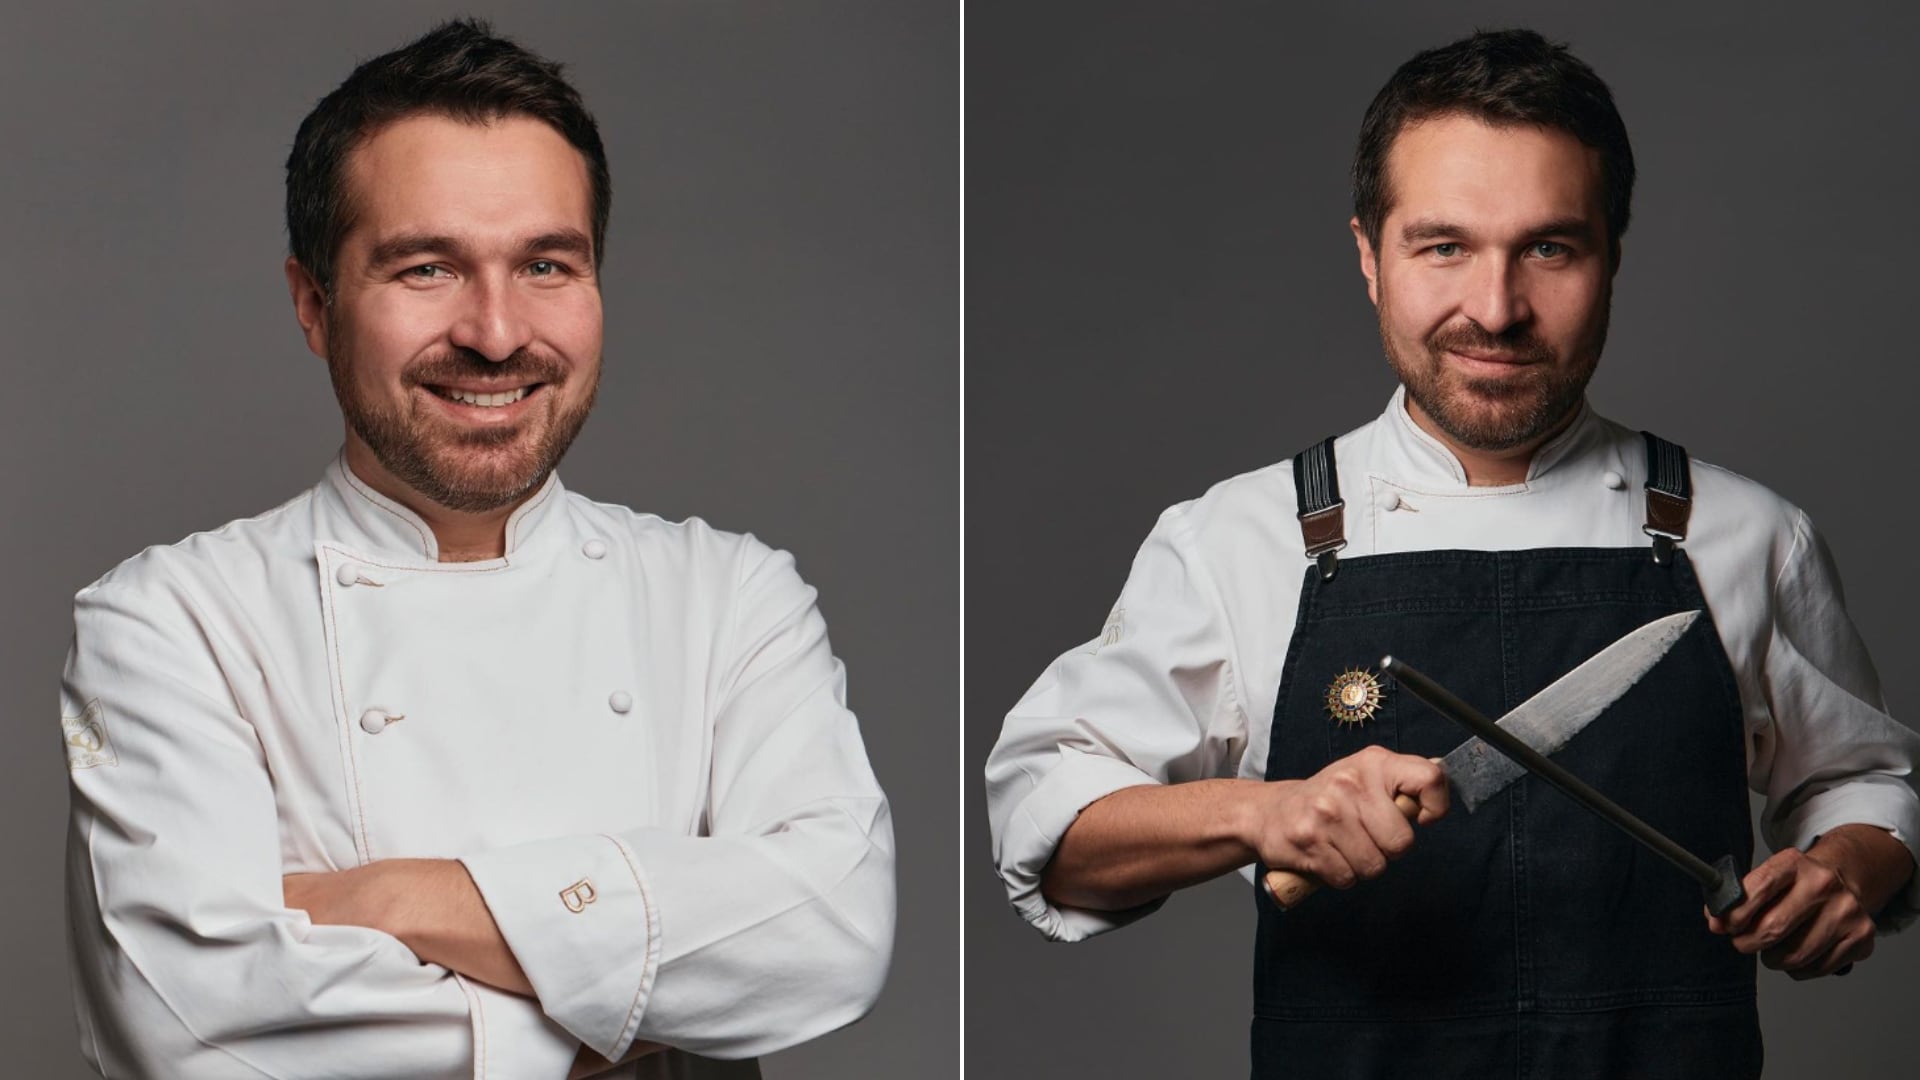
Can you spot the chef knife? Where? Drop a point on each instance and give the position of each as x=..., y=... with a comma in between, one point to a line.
x=1719, y=881
x=1542, y=723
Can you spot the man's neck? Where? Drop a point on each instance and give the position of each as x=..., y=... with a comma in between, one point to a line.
x=460, y=536
x=1490, y=468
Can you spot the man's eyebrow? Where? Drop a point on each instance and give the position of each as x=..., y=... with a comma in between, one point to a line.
x=1425, y=229
x=407, y=245
x=562, y=241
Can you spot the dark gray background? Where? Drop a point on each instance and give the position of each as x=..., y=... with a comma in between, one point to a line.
x=782, y=331
x=1162, y=292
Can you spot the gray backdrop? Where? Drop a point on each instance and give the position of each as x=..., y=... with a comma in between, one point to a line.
x=1162, y=292
x=781, y=357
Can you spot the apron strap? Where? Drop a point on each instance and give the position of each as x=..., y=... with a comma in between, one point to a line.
x=1669, y=495
x=1322, y=522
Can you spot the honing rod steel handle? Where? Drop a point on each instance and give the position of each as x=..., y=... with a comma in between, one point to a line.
x=1720, y=883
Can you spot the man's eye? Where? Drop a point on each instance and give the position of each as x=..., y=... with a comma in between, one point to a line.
x=1547, y=249
x=424, y=273
x=543, y=268
x=1447, y=250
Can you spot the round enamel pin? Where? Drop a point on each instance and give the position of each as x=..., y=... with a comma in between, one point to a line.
x=1353, y=696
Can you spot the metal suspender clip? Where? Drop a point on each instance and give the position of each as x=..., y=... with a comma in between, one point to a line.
x=1323, y=523
x=1669, y=496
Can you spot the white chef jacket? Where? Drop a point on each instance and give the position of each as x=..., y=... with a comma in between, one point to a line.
x=632, y=731
x=1181, y=682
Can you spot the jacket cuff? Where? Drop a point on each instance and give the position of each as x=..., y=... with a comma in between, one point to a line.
x=1883, y=802
x=1034, y=831
x=580, y=919
x=513, y=1039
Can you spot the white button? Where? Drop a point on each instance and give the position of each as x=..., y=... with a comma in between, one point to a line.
x=1390, y=501
x=595, y=549
x=1613, y=480
x=374, y=721
x=620, y=701
x=348, y=574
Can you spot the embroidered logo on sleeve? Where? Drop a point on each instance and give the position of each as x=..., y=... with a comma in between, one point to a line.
x=86, y=738
x=578, y=895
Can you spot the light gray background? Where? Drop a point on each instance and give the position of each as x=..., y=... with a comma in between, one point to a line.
x=1162, y=292
x=781, y=357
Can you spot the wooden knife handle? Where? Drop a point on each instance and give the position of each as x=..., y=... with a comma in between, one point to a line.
x=1288, y=888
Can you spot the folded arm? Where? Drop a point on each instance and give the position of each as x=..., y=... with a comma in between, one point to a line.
x=188, y=960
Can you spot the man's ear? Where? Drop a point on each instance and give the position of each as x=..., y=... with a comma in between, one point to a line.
x=309, y=306
x=1369, y=261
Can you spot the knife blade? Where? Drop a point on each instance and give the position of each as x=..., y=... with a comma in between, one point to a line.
x=1720, y=882
x=1544, y=723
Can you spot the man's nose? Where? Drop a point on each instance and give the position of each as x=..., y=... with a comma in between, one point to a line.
x=1496, y=296
x=490, y=321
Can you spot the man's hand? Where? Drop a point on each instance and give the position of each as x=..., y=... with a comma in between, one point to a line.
x=1340, y=824
x=431, y=905
x=1140, y=843
x=1811, y=913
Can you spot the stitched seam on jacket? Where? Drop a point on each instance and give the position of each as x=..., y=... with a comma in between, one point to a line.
x=340, y=717
x=365, y=493
x=646, y=903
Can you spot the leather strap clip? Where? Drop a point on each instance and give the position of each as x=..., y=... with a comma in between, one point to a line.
x=1323, y=523
x=1669, y=491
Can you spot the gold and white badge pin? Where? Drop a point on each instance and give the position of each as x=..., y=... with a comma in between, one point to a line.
x=1353, y=696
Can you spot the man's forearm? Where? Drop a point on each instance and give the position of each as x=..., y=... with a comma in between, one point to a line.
x=1872, y=862
x=431, y=905
x=1140, y=843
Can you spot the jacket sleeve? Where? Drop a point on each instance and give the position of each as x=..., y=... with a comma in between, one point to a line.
x=1153, y=700
x=187, y=961
x=774, y=926
x=1832, y=755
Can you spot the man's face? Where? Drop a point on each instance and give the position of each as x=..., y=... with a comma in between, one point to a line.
x=464, y=333
x=1492, y=277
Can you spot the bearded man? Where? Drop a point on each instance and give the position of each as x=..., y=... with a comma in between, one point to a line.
x=439, y=769
x=1491, y=529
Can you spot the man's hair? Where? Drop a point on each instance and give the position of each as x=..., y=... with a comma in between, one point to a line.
x=459, y=69
x=1502, y=77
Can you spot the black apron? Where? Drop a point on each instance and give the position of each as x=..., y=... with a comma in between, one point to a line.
x=1528, y=939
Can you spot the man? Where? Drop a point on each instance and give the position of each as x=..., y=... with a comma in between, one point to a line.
x=1493, y=531
x=439, y=769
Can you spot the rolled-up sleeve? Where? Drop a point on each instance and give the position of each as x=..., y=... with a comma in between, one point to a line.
x=187, y=961
x=774, y=926
x=1152, y=700
x=1832, y=755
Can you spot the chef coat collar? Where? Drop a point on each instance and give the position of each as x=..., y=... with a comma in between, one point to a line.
x=1413, y=456
x=360, y=518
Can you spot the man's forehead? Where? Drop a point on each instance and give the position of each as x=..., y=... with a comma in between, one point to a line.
x=1459, y=164
x=431, y=174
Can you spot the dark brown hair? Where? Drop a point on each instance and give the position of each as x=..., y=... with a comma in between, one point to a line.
x=1502, y=77
x=459, y=69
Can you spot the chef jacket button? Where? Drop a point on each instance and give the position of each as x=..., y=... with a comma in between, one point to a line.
x=375, y=721
x=620, y=701
x=348, y=574
x=1390, y=501
x=1613, y=480
x=595, y=549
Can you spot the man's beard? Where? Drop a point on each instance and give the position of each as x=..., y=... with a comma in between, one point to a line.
x=1495, y=414
x=467, y=469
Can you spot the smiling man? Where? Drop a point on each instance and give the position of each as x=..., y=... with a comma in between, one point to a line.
x=439, y=769
x=1495, y=531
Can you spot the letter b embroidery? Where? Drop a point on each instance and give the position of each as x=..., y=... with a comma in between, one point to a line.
x=578, y=895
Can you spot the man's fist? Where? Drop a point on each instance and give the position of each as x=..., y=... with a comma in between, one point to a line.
x=1340, y=825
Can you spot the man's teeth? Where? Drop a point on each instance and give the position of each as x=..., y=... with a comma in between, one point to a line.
x=490, y=400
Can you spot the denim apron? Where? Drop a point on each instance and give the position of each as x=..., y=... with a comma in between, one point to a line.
x=1528, y=939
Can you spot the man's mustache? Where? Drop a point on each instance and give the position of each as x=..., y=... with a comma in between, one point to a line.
x=467, y=366
x=1518, y=343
